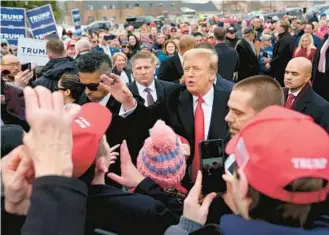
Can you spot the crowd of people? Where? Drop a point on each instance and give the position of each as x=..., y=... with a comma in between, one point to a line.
x=110, y=138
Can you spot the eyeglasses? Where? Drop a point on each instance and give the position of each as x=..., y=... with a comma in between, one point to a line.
x=91, y=86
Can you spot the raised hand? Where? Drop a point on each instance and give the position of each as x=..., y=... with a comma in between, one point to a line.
x=17, y=175
x=130, y=176
x=113, y=84
x=49, y=140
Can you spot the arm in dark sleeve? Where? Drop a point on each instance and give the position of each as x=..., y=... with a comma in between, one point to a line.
x=121, y=212
x=152, y=189
x=58, y=207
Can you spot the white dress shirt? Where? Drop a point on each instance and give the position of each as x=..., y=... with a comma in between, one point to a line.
x=206, y=108
x=107, y=50
x=143, y=93
x=295, y=94
x=105, y=99
x=124, y=77
x=181, y=58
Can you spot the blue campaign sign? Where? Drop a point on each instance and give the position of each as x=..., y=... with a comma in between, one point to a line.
x=40, y=16
x=76, y=15
x=76, y=21
x=12, y=34
x=13, y=17
x=43, y=32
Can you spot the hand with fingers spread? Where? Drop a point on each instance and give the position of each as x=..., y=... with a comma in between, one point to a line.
x=106, y=157
x=130, y=176
x=119, y=90
x=17, y=175
x=193, y=210
x=49, y=140
x=23, y=78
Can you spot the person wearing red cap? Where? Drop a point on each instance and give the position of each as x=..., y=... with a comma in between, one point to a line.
x=299, y=94
x=296, y=166
x=70, y=49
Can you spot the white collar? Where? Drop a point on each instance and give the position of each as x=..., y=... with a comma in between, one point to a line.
x=105, y=99
x=141, y=87
x=181, y=58
x=296, y=92
x=208, y=98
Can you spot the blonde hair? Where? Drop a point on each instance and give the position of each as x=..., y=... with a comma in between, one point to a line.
x=210, y=55
x=310, y=47
x=116, y=55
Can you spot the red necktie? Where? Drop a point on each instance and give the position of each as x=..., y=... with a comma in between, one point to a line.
x=289, y=101
x=198, y=136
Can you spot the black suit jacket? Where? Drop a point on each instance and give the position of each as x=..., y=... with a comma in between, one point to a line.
x=176, y=109
x=248, y=60
x=310, y=103
x=171, y=69
x=282, y=54
x=228, y=60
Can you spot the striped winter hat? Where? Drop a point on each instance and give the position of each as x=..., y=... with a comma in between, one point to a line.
x=161, y=157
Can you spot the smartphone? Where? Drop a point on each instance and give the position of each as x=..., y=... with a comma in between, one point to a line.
x=109, y=37
x=265, y=54
x=14, y=100
x=26, y=66
x=304, y=10
x=212, y=152
x=209, y=229
x=230, y=164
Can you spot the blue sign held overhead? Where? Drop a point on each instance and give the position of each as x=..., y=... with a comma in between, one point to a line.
x=40, y=16
x=12, y=34
x=12, y=17
x=43, y=32
x=76, y=21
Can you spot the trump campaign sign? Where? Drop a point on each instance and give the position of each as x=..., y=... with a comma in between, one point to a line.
x=42, y=21
x=76, y=21
x=40, y=16
x=13, y=24
x=43, y=32
x=32, y=50
x=12, y=34
x=12, y=17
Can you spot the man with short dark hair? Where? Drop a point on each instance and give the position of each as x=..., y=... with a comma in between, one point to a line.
x=309, y=28
x=248, y=65
x=300, y=95
x=57, y=65
x=250, y=96
x=228, y=58
x=282, y=52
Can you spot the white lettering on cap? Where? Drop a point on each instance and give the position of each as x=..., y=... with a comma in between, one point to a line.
x=309, y=163
x=83, y=123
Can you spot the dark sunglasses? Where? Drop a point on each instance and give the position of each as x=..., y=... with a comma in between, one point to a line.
x=4, y=44
x=125, y=46
x=91, y=86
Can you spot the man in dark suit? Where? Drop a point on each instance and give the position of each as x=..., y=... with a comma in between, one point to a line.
x=148, y=89
x=247, y=55
x=103, y=45
x=320, y=73
x=282, y=52
x=171, y=69
x=299, y=94
x=195, y=111
x=228, y=58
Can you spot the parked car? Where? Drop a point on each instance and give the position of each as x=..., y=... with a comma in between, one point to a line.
x=98, y=25
x=138, y=21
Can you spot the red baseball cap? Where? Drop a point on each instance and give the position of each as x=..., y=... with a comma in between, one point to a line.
x=88, y=128
x=279, y=146
x=70, y=43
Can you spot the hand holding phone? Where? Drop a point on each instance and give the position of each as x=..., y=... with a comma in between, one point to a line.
x=14, y=99
x=27, y=66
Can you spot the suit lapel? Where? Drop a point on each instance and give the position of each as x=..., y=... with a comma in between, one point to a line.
x=302, y=99
x=248, y=47
x=133, y=88
x=218, y=114
x=178, y=64
x=186, y=114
